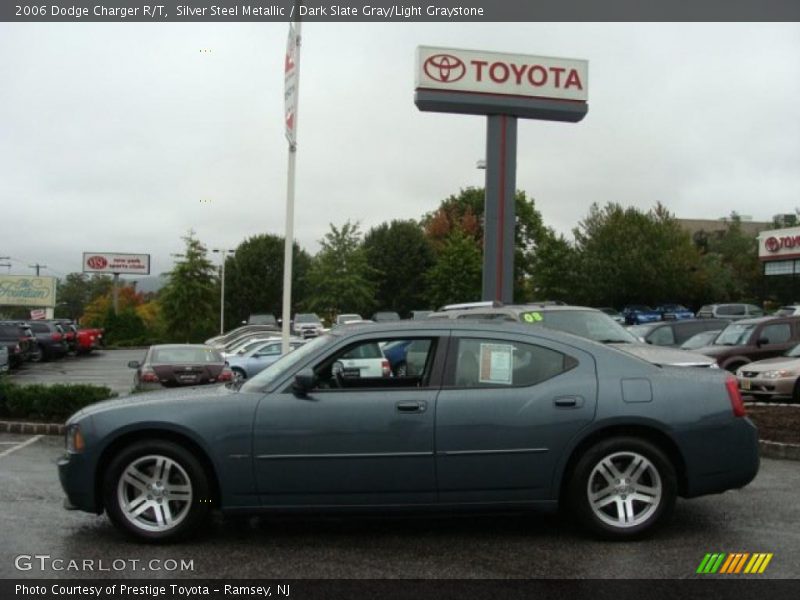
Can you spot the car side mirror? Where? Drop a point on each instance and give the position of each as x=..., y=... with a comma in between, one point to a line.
x=304, y=382
x=134, y=364
x=762, y=341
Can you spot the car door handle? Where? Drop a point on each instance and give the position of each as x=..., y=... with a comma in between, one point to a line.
x=411, y=406
x=568, y=402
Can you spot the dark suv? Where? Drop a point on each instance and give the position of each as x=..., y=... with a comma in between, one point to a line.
x=50, y=338
x=578, y=320
x=19, y=340
x=748, y=340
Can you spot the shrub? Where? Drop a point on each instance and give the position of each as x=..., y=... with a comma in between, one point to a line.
x=46, y=402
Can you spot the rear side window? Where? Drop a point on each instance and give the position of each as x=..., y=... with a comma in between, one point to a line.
x=662, y=336
x=501, y=363
x=777, y=333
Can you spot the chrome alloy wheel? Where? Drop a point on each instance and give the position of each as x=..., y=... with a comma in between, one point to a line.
x=624, y=489
x=154, y=493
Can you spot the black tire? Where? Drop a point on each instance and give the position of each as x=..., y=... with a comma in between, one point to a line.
x=796, y=392
x=38, y=355
x=657, y=473
x=181, y=467
x=239, y=375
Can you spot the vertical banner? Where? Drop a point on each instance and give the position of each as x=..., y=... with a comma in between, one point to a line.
x=290, y=86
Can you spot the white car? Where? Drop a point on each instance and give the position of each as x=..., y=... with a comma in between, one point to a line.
x=348, y=318
x=246, y=345
x=365, y=360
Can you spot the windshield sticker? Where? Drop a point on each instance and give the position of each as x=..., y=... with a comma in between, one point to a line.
x=532, y=317
x=496, y=362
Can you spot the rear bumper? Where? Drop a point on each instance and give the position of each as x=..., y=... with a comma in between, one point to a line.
x=722, y=458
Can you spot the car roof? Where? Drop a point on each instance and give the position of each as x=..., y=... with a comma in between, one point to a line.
x=757, y=320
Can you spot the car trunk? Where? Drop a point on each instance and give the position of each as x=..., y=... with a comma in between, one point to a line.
x=188, y=374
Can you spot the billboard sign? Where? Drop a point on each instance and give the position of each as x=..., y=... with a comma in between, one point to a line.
x=20, y=290
x=124, y=264
x=519, y=75
x=779, y=244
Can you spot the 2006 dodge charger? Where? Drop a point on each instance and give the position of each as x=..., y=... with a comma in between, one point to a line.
x=487, y=415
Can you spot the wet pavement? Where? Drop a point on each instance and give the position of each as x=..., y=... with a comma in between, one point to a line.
x=762, y=517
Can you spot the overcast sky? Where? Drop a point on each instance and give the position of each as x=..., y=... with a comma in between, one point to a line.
x=122, y=137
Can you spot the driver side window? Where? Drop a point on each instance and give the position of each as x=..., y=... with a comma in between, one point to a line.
x=385, y=363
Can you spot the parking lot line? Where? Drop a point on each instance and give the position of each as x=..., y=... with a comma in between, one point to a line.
x=20, y=446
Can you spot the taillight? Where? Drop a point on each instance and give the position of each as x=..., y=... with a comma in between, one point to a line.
x=735, y=396
x=149, y=376
x=56, y=337
x=387, y=370
x=17, y=349
x=226, y=375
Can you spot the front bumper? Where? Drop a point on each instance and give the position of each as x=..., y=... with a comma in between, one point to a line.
x=76, y=474
x=763, y=386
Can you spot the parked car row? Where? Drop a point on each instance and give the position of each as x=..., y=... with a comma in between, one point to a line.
x=38, y=340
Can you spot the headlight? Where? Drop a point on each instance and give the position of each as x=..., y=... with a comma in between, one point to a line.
x=778, y=373
x=74, y=439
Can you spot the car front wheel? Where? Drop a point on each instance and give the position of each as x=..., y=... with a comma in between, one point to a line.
x=623, y=488
x=156, y=491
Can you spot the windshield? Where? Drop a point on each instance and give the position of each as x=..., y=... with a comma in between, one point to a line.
x=793, y=352
x=641, y=330
x=285, y=363
x=591, y=324
x=306, y=318
x=734, y=334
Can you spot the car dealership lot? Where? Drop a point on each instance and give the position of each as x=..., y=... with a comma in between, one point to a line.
x=101, y=367
x=758, y=518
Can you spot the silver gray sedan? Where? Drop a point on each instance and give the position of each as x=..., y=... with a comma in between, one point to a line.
x=497, y=416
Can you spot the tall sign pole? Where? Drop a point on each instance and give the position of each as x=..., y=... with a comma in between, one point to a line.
x=504, y=88
x=291, y=97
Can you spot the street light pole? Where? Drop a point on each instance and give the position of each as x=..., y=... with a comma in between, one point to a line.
x=224, y=252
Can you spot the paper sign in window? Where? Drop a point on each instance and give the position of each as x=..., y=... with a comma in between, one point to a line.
x=496, y=363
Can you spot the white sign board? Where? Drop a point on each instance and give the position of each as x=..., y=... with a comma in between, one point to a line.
x=106, y=262
x=482, y=72
x=19, y=290
x=496, y=363
x=779, y=243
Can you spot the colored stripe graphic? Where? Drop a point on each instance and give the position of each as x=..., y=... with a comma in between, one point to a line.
x=729, y=564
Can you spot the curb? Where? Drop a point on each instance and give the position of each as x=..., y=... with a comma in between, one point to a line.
x=769, y=449
x=32, y=428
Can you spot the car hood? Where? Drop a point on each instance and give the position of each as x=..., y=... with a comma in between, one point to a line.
x=772, y=364
x=661, y=355
x=716, y=350
x=156, y=399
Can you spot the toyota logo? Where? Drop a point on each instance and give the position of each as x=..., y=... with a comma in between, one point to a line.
x=772, y=244
x=97, y=262
x=445, y=68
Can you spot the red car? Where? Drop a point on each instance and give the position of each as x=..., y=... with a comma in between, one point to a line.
x=88, y=339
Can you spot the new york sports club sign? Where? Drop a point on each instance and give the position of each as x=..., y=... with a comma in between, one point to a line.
x=518, y=75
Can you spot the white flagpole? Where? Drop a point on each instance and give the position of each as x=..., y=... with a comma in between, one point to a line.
x=291, y=134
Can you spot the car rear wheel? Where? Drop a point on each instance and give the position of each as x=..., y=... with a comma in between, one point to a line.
x=623, y=488
x=156, y=491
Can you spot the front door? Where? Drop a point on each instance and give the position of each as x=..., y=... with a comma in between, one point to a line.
x=361, y=437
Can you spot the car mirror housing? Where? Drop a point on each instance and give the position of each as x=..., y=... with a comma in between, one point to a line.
x=762, y=341
x=134, y=364
x=304, y=382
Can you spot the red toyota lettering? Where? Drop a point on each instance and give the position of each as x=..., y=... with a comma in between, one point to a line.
x=479, y=64
x=498, y=66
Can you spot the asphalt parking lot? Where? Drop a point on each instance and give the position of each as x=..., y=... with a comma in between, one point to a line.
x=759, y=518
x=101, y=367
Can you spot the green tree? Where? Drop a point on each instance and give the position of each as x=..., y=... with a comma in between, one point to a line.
x=553, y=268
x=340, y=278
x=465, y=212
x=399, y=252
x=254, y=278
x=628, y=256
x=190, y=299
x=456, y=276
x=77, y=290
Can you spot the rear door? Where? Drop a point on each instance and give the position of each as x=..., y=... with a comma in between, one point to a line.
x=507, y=409
x=773, y=338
